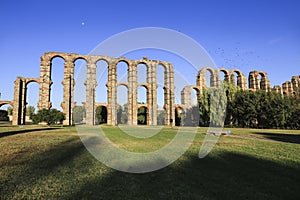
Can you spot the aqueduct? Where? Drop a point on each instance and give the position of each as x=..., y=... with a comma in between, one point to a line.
x=257, y=80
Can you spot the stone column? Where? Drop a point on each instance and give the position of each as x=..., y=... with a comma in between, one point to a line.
x=151, y=93
x=252, y=81
x=90, y=93
x=112, y=94
x=167, y=96
x=241, y=81
x=68, y=88
x=153, y=88
x=172, y=92
x=45, y=83
x=24, y=103
x=132, y=94
x=17, y=108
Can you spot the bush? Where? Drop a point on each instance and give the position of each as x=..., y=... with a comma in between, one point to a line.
x=4, y=115
x=52, y=116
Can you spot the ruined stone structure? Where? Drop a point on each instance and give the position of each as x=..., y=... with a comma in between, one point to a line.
x=91, y=84
x=257, y=80
x=289, y=87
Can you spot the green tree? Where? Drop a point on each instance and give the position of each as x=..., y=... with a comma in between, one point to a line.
x=51, y=116
x=142, y=115
x=3, y=115
x=30, y=110
x=161, y=117
x=78, y=114
x=9, y=110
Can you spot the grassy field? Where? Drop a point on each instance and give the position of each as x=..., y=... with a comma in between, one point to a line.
x=52, y=163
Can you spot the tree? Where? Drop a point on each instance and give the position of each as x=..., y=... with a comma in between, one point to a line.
x=3, y=115
x=9, y=110
x=161, y=117
x=30, y=110
x=142, y=115
x=78, y=114
x=52, y=116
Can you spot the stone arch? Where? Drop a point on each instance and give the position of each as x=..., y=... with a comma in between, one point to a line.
x=144, y=64
x=147, y=96
x=201, y=78
x=90, y=83
x=5, y=102
x=168, y=88
x=28, y=81
x=240, y=81
x=257, y=83
x=226, y=74
x=186, y=100
x=118, y=69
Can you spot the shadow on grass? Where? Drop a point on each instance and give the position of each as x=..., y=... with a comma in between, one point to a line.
x=289, y=138
x=230, y=176
x=68, y=171
x=9, y=133
x=38, y=167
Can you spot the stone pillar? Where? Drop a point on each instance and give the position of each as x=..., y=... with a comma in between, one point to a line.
x=45, y=83
x=17, y=108
x=24, y=103
x=153, y=97
x=132, y=94
x=172, y=94
x=277, y=89
x=167, y=96
x=241, y=81
x=68, y=83
x=149, y=94
x=112, y=94
x=252, y=81
x=295, y=82
x=154, y=94
x=90, y=93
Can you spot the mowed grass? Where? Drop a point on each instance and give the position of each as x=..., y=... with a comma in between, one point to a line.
x=52, y=163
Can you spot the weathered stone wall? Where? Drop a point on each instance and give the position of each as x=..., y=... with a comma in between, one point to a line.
x=257, y=80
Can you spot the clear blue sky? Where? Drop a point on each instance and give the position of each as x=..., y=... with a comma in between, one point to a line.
x=248, y=35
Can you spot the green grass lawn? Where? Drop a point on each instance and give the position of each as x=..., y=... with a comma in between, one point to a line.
x=52, y=163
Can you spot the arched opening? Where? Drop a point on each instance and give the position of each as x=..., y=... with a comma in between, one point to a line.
x=178, y=116
x=32, y=96
x=208, y=77
x=142, y=95
x=194, y=97
x=223, y=75
x=122, y=71
x=80, y=74
x=262, y=81
x=122, y=104
x=5, y=113
x=234, y=78
x=160, y=94
x=142, y=73
x=101, y=115
x=57, y=77
x=102, y=79
x=142, y=115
